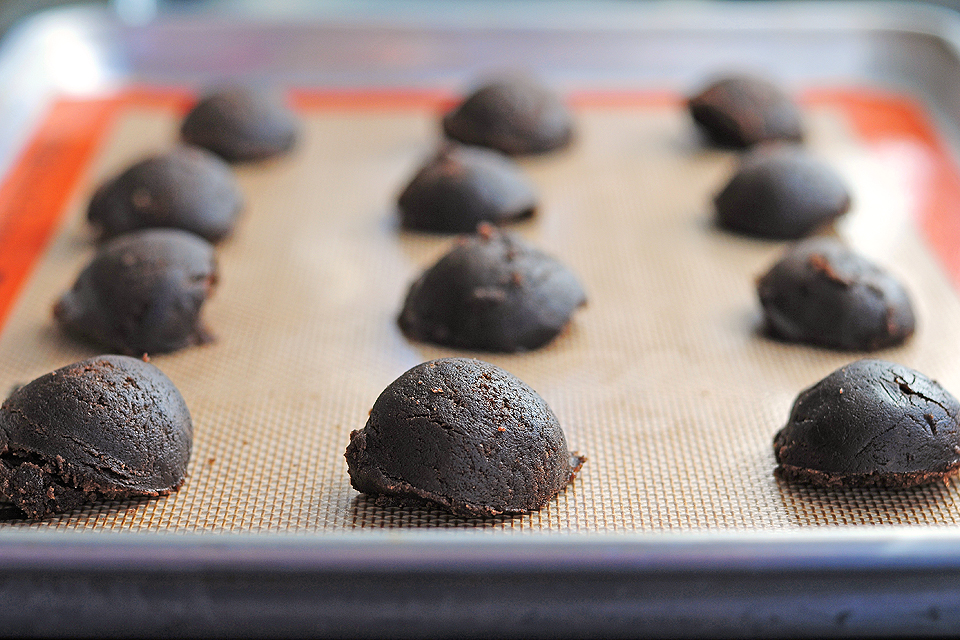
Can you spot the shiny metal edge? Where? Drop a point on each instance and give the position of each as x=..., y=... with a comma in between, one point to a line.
x=830, y=584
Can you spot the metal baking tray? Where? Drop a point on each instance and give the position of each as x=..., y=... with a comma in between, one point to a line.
x=468, y=580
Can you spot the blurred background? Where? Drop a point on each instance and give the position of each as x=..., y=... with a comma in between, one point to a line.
x=13, y=11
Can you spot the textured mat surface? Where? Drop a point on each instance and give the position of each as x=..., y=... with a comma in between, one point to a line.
x=662, y=380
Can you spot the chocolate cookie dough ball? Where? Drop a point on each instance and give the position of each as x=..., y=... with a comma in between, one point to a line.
x=110, y=427
x=871, y=423
x=822, y=293
x=187, y=188
x=142, y=293
x=466, y=435
x=740, y=111
x=516, y=116
x=781, y=193
x=464, y=186
x=241, y=124
x=491, y=292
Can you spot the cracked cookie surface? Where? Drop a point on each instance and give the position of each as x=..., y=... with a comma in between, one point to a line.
x=108, y=427
x=463, y=434
x=871, y=422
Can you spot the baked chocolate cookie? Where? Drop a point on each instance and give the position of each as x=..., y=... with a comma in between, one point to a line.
x=516, y=115
x=871, y=423
x=466, y=435
x=740, y=111
x=110, y=427
x=464, y=186
x=824, y=294
x=491, y=292
x=241, y=124
x=142, y=293
x=781, y=192
x=187, y=188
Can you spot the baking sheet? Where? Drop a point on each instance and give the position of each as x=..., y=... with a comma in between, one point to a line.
x=664, y=381
x=754, y=568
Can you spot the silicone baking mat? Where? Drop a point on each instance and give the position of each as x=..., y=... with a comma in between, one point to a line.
x=663, y=381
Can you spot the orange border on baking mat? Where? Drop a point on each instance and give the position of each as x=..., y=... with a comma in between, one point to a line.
x=36, y=191
x=878, y=116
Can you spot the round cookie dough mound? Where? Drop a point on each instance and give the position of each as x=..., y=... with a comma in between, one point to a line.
x=108, y=427
x=241, y=124
x=466, y=435
x=187, y=188
x=781, y=192
x=741, y=111
x=515, y=115
x=824, y=294
x=491, y=292
x=871, y=423
x=464, y=186
x=142, y=293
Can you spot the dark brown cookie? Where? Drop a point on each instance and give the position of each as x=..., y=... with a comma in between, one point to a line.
x=516, y=116
x=464, y=434
x=464, y=186
x=110, y=427
x=241, y=124
x=871, y=423
x=781, y=193
x=491, y=292
x=187, y=188
x=142, y=293
x=822, y=293
x=740, y=111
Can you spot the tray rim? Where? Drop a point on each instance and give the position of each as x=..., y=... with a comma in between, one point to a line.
x=877, y=583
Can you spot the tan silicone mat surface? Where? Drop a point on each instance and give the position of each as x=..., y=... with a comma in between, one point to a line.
x=662, y=380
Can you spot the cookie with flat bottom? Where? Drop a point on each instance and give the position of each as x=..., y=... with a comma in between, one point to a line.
x=514, y=115
x=241, y=124
x=491, y=292
x=187, y=188
x=781, y=192
x=871, y=422
x=110, y=427
x=740, y=111
x=142, y=293
x=464, y=186
x=463, y=434
x=822, y=293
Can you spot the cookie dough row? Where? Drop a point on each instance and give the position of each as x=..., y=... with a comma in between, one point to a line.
x=471, y=437
x=870, y=422
x=114, y=426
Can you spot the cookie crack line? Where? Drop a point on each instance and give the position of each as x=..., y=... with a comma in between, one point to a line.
x=879, y=427
x=106, y=468
x=907, y=389
x=877, y=436
x=443, y=424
